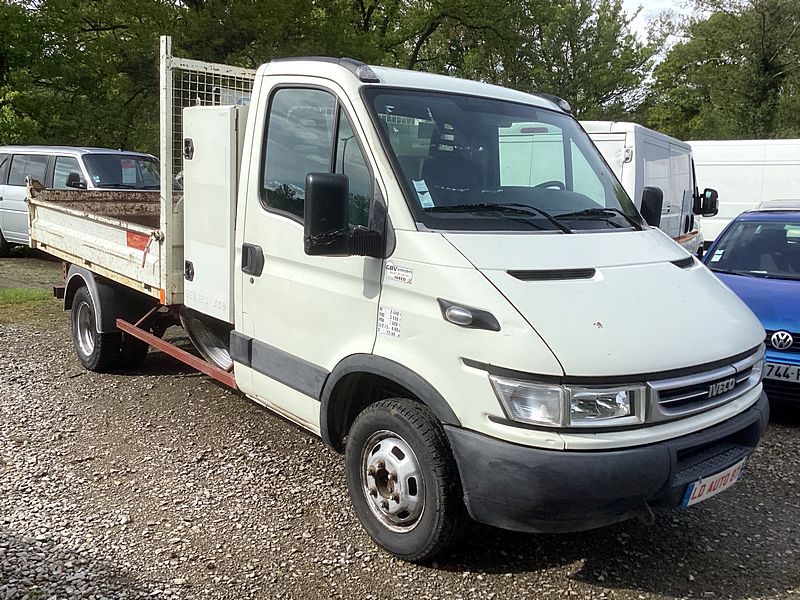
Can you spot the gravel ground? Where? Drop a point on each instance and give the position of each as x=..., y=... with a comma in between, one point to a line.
x=161, y=483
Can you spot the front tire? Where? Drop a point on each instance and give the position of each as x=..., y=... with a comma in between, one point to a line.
x=96, y=351
x=403, y=480
x=5, y=247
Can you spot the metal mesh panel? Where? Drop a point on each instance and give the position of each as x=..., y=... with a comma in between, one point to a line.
x=203, y=84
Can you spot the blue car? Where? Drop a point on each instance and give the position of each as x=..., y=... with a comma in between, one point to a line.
x=758, y=256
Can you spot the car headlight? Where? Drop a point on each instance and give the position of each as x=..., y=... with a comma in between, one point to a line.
x=570, y=406
x=758, y=370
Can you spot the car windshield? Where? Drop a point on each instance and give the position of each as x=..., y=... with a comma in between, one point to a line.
x=471, y=163
x=123, y=171
x=759, y=249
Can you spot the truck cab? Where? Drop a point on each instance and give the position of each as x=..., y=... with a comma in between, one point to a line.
x=396, y=257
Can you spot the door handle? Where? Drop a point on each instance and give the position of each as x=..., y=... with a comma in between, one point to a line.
x=252, y=259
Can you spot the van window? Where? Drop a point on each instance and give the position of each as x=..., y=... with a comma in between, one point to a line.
x=350, y=161
x=64, y=166
x=299, y=141
x=122, y=171
x=23, y=165
x=4, y=160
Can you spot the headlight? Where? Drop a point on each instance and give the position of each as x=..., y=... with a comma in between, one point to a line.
x=531, y=402
x=570, y=406
x=758, y=370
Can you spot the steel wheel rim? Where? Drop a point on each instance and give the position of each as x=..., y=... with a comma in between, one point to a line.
x=392, y=481
x=84, y=324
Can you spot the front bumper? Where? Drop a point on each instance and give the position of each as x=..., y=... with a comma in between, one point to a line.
x=532, y=489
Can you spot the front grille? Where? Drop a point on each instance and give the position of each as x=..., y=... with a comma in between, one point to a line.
x=795, y=347
x=782, y=391
x=678, y=400
x=683, y=396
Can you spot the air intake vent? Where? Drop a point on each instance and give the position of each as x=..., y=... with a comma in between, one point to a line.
x=553, y=274
x=683, y=263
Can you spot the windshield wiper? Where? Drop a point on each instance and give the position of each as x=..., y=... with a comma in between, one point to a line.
x=512, y=207
x=770, y=275
x=602, y=211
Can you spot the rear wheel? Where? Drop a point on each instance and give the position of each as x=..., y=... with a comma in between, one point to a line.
x=132, y=352
x=5, y=247
x=96, y=351
x=402, y=479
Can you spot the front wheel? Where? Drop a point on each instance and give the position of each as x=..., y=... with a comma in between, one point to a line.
x=96, y=351
x=402, y=479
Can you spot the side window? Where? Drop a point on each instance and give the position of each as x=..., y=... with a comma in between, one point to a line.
x=299, y=141
x=64, y=166
x=4, y=160
x=23, y=165
x=350, y=161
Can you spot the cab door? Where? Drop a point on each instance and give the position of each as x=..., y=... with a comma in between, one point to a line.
x=300, y=315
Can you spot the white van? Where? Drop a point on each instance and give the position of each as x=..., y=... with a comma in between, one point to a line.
x=641, y=157
x=62, y=167
x=746, y=172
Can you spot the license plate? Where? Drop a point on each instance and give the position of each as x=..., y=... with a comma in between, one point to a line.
x=704, y=488
x=782, y=372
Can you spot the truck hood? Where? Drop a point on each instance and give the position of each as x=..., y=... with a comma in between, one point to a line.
x=614, y=303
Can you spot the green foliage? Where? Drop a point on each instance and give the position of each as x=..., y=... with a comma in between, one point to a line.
x=84, y=72
x=735, y=76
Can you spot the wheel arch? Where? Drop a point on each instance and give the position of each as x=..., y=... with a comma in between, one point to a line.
x=362, y=379
x=111, y=301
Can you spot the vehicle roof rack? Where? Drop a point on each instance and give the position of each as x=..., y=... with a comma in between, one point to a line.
x=361, y=70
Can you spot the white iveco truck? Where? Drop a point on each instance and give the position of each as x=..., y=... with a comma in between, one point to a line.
x=355, y=249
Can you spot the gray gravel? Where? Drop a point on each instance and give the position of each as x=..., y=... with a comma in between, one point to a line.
x=161, y=483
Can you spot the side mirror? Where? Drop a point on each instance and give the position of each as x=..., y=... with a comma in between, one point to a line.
x=709, y=204
x=74, y=181
x=652, y=203
x=326, y=229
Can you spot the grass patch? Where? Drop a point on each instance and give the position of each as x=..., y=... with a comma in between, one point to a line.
x=26, y=305
x=22, y=296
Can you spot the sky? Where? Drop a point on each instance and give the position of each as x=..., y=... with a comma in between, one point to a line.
x=650, y=8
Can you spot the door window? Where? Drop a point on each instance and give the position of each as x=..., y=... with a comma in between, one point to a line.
x=299, y=142
x=64, y=166
x=350, y=161
x=23, y=165
x=4, y=160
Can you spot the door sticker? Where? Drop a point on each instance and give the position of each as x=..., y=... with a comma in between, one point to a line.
x=389, y=321
x=401, y=274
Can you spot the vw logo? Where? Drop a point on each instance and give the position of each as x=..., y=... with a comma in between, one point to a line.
x=781, y=340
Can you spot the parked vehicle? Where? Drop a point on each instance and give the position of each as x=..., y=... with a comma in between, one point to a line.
x=61, y=168
x=640, y=158
x=746, y=172
x=355, y=251
x=758, y=256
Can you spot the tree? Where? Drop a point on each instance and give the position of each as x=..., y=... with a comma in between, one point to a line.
x=736, y=74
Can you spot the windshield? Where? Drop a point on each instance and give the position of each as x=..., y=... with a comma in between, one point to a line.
x=471, y=163
x=759, y=249
x=122, y=171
